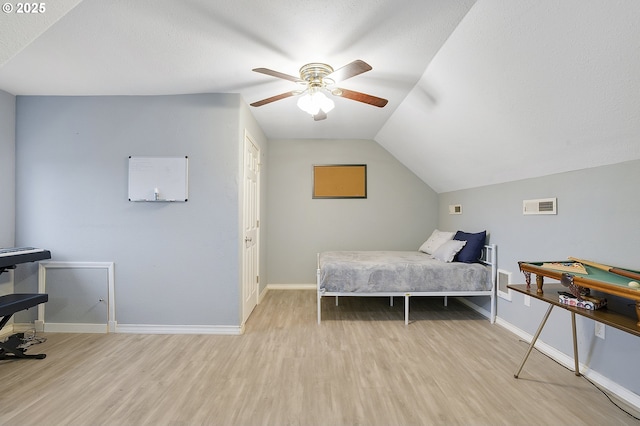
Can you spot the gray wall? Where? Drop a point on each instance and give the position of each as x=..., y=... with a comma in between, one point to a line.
x=597, y=219
x=7, y=180
x=175, y=264
x=399, y=213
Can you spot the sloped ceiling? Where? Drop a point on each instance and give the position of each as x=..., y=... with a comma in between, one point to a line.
x=524, y=89
x=479, y=92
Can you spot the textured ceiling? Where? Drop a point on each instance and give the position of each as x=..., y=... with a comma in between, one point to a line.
x=479, y=92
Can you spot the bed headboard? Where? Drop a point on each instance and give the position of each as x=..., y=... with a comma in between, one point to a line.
x=489, y=257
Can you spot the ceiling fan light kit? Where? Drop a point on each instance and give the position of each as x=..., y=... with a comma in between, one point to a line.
x=312, y=103
x=318, y=78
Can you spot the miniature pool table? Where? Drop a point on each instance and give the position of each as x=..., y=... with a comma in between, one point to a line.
x=579, y=284
x=595, y=279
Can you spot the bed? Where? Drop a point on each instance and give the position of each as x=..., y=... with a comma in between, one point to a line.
x=404, y=274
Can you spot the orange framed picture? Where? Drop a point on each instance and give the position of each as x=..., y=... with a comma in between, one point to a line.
x=340, y=181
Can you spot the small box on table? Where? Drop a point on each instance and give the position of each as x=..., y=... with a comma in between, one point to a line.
x=591, y=304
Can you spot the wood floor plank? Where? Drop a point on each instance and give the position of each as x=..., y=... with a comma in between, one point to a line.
x=362, y=365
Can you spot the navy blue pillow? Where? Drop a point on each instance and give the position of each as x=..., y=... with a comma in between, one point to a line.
x=471, y=251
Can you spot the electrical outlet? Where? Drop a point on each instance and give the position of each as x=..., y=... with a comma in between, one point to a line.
x=599, y=330
x=527, y=300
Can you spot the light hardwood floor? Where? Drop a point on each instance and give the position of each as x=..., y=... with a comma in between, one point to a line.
x=361, y=366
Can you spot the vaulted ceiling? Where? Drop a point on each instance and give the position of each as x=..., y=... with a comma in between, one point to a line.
x=480, y=92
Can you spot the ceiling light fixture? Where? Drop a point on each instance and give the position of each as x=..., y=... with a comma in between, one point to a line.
x=313, y=101
x=318, y=79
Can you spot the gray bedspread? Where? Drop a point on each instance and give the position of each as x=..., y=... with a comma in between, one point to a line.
x=398, y=271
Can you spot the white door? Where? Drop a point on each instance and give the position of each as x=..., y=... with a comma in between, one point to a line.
x=251, y=224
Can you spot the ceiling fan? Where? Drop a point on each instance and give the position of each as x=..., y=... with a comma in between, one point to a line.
x=318, y=79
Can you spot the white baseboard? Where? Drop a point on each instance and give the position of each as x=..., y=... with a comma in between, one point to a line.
x=291, y=287
x=10, y=329
x=52, y=327
x=473, y=306
x=179, y=329
x=127, y=328
x=262, y=294
x=605, y=383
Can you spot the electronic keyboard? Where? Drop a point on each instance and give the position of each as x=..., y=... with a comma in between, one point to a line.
x=10, y=257
x=18, y=250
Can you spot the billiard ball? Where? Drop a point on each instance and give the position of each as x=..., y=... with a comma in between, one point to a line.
x=634, y=284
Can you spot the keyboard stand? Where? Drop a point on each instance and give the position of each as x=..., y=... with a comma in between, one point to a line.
x=9, y=305
x=6, y=268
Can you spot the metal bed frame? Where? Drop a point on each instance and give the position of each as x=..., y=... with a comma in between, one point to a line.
x=488, y=257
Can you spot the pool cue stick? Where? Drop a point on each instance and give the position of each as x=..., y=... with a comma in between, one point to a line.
x=617, y=271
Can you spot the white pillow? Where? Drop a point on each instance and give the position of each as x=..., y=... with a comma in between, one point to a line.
x=436, y=239
x=447, y=251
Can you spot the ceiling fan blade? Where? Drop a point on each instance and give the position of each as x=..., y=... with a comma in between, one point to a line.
x=275, y=98
x=350, y=70
x=361, y=97
x=321, y=115
x=277, y=74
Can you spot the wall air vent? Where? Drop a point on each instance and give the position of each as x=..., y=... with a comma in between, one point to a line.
x=541, y=206
x=455, y=209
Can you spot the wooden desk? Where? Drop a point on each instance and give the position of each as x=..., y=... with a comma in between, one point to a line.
x=606, y=316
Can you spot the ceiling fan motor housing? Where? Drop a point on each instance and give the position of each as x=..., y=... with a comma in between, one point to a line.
x=314, y=75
